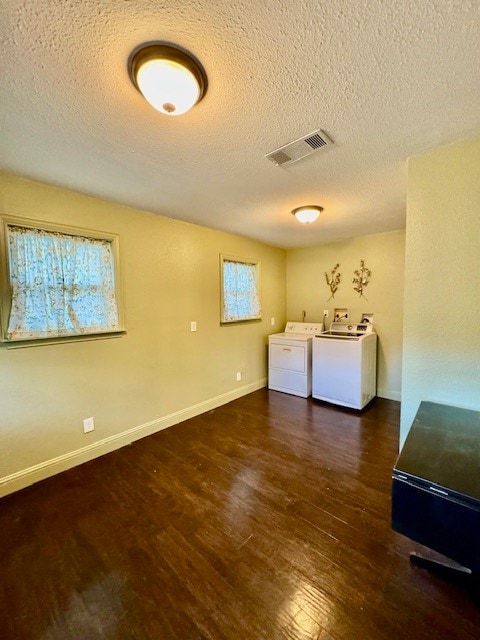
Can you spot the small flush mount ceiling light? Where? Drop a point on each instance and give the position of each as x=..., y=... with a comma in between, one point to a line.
x=308, y=213
x=171, y=79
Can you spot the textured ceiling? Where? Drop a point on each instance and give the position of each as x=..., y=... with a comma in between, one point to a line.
x=384, y=79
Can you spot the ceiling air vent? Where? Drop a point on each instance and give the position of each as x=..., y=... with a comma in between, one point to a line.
x=300, y=148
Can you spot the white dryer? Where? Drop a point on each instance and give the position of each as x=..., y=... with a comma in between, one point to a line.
x=344, y=369
x=290, y=358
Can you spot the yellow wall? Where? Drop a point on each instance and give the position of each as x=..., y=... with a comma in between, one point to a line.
x=384, y=255
x=159, y=372
x=441, y=354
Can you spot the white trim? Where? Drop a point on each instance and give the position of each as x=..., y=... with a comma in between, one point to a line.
x=253, y=263
x=7, y=221
x=389, y=395
x=26, y=477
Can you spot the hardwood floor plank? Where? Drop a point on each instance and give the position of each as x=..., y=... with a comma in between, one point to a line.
x=267, y=518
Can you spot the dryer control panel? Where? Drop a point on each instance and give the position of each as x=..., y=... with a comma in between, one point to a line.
x=306, y=328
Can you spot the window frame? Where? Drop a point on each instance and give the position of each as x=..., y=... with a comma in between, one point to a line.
x=257, y=264
x=6, y=288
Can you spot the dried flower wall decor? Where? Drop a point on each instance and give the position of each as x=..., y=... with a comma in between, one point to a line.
x=361, y=278
x=333, y=280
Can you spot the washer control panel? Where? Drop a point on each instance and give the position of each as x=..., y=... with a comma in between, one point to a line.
x=342, y=328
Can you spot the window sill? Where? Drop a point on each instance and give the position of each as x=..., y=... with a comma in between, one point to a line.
x=43, y=342
x=242, y=321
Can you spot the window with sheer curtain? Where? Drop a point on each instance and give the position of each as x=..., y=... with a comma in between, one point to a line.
x=240, y=282
x=59, y=284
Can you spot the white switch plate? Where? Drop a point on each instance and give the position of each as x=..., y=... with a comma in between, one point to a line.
x=239, y=376
x=272, y=321
x=88, y=425
x=193, y=326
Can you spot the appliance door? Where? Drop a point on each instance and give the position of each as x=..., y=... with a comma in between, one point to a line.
x=290, y=366
x=285, y=355
x=337, y=371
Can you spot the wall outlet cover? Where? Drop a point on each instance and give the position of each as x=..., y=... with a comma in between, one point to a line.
x=88, y=425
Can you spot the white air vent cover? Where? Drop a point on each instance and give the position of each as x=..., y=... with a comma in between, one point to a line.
x=300, y=148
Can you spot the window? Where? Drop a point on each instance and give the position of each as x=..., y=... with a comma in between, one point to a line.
x=240, y=286
x=60, y=282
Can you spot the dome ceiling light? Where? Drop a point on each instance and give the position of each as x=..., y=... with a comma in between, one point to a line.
x=171, y=79
x=308, y=213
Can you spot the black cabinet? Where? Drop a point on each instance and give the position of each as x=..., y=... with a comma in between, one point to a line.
x=436, y=483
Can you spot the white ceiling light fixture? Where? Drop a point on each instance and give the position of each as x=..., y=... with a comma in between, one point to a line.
x=171, y=79
x=308, y=213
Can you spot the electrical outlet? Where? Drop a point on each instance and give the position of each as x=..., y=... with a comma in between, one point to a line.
x=239, y=376
x=88, y=425
x=193, y=326
x=325, y=313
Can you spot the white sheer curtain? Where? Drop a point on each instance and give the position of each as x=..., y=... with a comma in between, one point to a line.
x=240, y=293
x=61, y=284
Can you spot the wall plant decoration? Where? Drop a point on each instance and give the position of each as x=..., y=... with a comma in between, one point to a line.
x=361, y=278
x=333, y=280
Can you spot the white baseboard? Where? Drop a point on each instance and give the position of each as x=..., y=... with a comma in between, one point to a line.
x=389, y=395
x=26, y=477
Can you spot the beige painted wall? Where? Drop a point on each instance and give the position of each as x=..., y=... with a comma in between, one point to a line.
x=170, y=273
x=441, y=352
x=384, y=256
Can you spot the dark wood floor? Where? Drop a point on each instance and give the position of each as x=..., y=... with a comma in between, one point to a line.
x=266, y=518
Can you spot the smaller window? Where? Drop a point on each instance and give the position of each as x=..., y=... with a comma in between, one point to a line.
x=240, y=289
x=60, y=282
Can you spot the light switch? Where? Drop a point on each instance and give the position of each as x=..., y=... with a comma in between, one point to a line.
x=193, y=326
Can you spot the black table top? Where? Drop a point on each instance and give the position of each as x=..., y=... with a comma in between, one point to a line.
x=443, y=447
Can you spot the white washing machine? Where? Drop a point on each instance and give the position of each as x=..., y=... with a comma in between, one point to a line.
x=344, y=368
x=290, y=358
